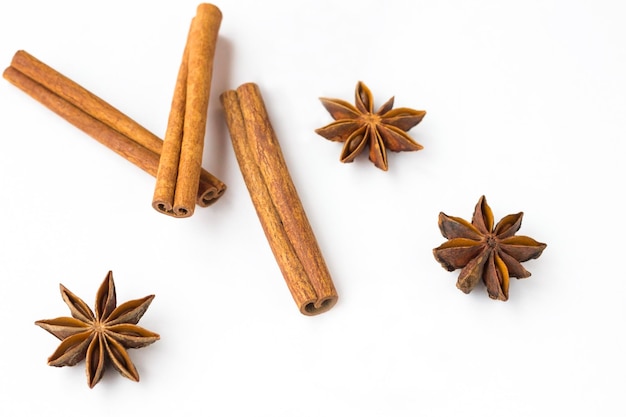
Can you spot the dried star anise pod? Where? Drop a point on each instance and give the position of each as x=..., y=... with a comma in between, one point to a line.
x=485, y=252
x=102, y=337
x=359, y=127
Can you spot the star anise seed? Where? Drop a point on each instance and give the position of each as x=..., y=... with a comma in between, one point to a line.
x=100, y=338
x=493, y=254
x=359, y=127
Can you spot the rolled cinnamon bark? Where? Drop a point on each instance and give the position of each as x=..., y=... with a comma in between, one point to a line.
x=167, y=174
x=181, y=159
x=114, y=140
x=276, y=201
x=98, y=118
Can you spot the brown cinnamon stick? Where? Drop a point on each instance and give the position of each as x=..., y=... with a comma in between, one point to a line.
x=181, y=159
x=276, y=201
x=99, y=119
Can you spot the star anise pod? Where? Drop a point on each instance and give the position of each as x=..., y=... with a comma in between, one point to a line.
x=485, y=252
x=358, y=127
x=102, y=337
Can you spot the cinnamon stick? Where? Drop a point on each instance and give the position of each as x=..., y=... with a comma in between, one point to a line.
x=181, y=159
x=276, y=201
x=98, y=119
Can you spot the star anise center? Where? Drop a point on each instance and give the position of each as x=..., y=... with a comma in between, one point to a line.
x=371, y=119
x=98, y=327
x=491, y=241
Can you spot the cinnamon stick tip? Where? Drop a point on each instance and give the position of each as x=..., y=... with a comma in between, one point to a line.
x=233, y=94
x=20, y=56
x=181, y=212
x=210, y=8
x=228, y=95
x=166, y=208
x=161, y=206
x=315, y=307
x=248, y=86
x=6, y=73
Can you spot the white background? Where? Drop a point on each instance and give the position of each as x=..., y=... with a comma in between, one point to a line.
x=526, y=104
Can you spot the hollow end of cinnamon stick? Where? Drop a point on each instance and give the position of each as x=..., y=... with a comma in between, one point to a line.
x=209, y=195
x=164, y=207
x=276, y=201
x=318, y=306
x=210, y=190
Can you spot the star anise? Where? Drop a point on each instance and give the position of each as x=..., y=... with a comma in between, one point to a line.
x=485, y=252
x=102, y=337
x=359, y=127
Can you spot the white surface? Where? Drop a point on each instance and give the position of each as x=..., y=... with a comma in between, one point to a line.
x=526, y=104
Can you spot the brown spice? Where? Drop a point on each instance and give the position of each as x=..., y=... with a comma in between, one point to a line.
x=100, y=338
x=276, y=200
x=98, y=119
x=484, y=251
x=359, y=127
x=181, y=159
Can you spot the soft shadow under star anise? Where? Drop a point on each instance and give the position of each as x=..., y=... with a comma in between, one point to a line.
x=359, y=127
x=485, y=252
x=100, y=338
